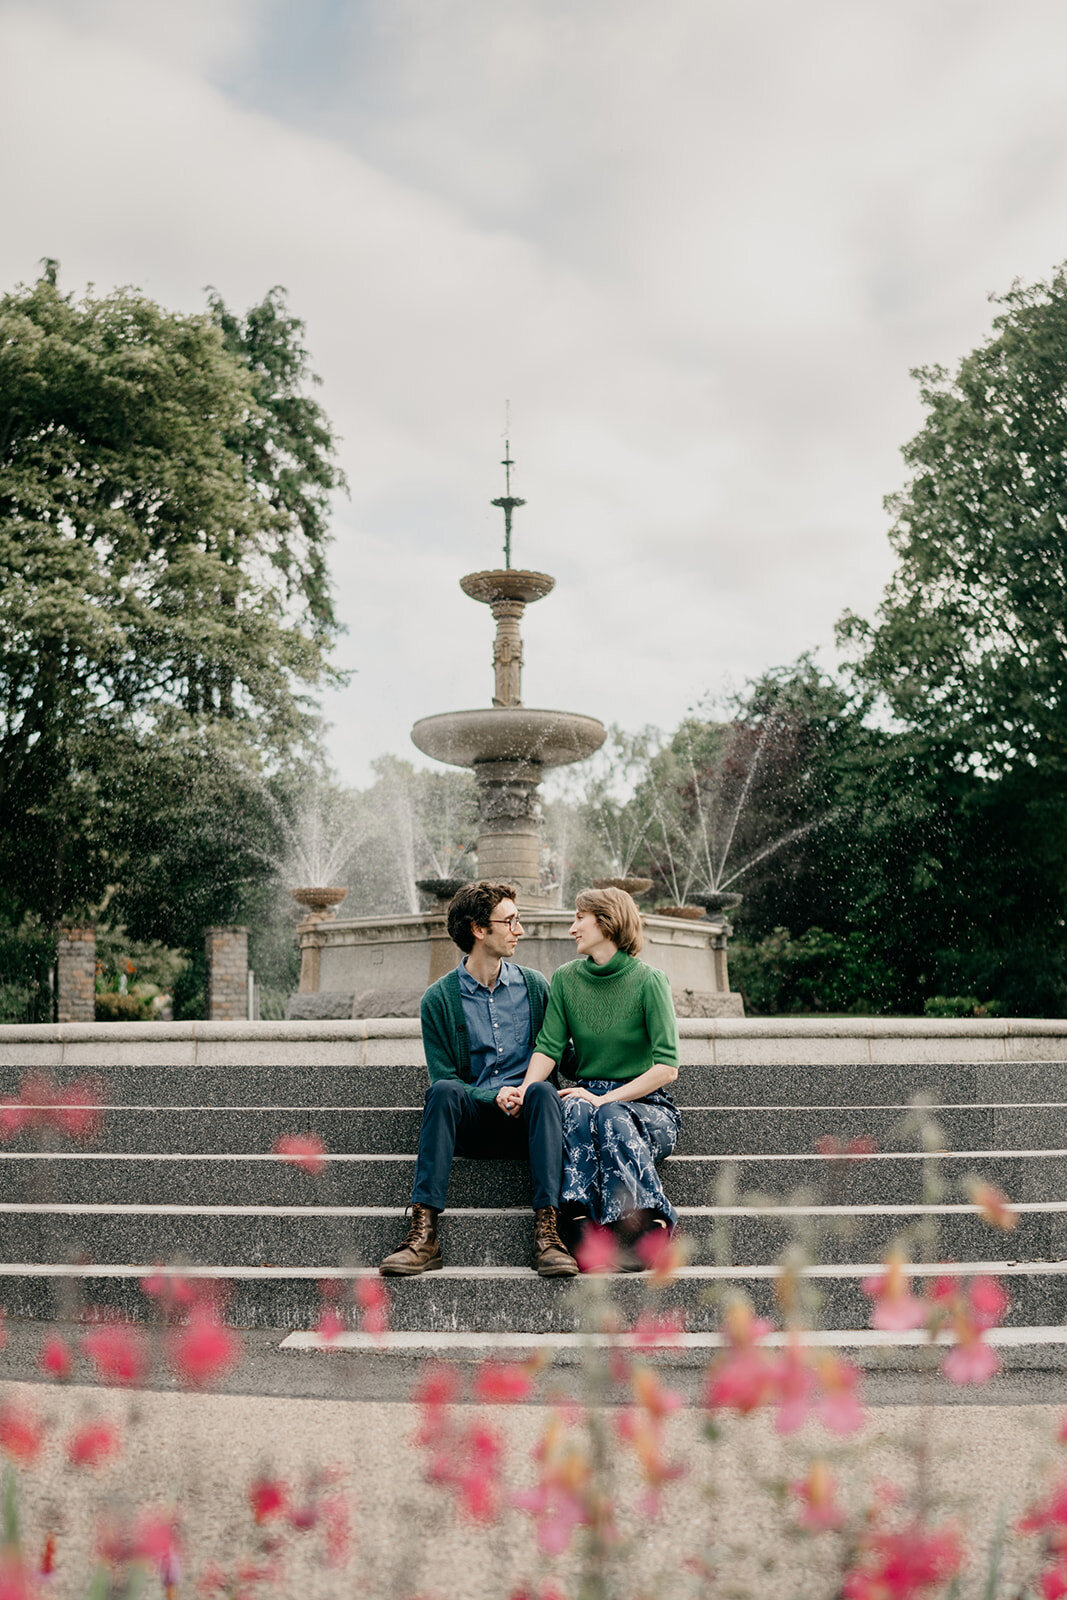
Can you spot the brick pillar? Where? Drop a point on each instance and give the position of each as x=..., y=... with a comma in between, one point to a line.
x=227, y=974
x=76, y=973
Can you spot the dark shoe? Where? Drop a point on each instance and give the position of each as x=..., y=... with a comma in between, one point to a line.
x=420, y=1251
x=551, y=1258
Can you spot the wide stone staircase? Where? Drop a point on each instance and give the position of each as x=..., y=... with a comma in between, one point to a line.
x=183, y=1173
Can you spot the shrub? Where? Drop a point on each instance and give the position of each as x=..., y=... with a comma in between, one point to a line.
x=817, y=971
x=960, y=1005
x=114, y=1007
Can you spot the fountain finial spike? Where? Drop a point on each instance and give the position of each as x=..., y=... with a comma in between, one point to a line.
x=507, y=502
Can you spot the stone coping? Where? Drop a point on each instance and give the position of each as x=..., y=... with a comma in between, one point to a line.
x=741, y=1028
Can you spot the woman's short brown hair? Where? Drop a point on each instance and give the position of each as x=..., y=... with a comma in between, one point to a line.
x=616, y=914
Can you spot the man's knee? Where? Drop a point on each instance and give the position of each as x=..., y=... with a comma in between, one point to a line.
x=445, y=1092
x=542, y=1096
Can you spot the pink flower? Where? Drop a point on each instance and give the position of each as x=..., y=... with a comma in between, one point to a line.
x=971, y=1361
x=794, y=1384
x=598, y=1249
x=55, y=1359
x=338, y=1526
x=896, y=1308
x=21, y=1434
x=741, y=1327
x=203, y=1351
x=663, y=1252
x=993, y=1205
x=900, y=1565
x=502, y=1382
x=174, y=1292
x=118, y=1351
x=15, y=1582
x=92, y=1444
x=557, y=1512
x=155, y=1539
x=304, y=1151
x=330, y=1324
x=14, y=1116
x=372, y=1297
x=838, y=1406
x=80, y=1115
x=269, y=1497
x=817, y=1493
x=653, y=1396
x=989, y=1302
x=651, y=1330
x=742, y=1381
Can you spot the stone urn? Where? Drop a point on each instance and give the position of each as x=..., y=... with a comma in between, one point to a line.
x=683, y=913
x=440, y=890
x=632, y=886
x=718, y=901
x=318, y=903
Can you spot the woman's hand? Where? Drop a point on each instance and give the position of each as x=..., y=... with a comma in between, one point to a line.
x=575, y=1092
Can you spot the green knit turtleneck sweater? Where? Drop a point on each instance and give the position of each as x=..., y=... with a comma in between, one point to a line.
x=619, y=1018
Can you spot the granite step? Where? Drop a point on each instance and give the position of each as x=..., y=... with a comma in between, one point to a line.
x=290, y=1236
x=192, y=1178
x=404, y=1083
x=509, y=1300
x=705, y=1130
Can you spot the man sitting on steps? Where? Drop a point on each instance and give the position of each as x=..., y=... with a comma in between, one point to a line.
x=479, y=1023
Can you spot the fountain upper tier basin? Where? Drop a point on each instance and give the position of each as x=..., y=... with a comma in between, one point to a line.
x=508, y=733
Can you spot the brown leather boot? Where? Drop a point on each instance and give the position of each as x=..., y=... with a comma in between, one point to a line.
x=551, y=1258
x=420, y=1251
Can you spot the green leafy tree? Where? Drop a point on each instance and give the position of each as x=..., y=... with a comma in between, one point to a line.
x=970, y=644
x=163, y=490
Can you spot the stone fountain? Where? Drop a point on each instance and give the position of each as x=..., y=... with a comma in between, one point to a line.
x=380, y=966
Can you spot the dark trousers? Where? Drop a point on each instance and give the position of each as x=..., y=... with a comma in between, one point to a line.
x=455, y=1124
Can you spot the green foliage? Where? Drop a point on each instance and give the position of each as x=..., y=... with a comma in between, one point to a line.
x=114, y=1007
x=164, y=607
x=960, y=1005
x=27, y=956
x=816, y=972
x=969, y=643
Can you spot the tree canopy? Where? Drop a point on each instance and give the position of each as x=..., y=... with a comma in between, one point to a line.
x=970, y=644
x=163, y=489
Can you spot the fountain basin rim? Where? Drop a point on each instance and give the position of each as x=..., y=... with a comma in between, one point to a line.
x=508, y=733
x=507, y=583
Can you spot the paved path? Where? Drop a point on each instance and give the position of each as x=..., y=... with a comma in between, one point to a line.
x=201, y=1451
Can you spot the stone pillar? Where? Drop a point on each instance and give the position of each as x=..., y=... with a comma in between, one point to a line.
x=311, y=942
x=507, y=652
x=227, y=974
x=509, y=832
x=76, y=973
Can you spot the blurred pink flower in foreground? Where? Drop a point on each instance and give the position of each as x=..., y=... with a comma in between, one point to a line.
x=971, y=1313
x=502, y=1381
x=896, y=1308
x=92, y=1444
x=372, y=1297
x=56, y=1359
x=597, y=1249
x=202, y=1351
x=817, y=1493
x=993, y=1205
x=73, y=1110
x=902, y=1564
x=303, y=1150
x=21, y=1433
x=118, y=1351
x=268, y=1497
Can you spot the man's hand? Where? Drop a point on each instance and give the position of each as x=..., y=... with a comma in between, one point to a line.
x=510, y=1100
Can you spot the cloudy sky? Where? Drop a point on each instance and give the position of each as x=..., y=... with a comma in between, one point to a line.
x=697, y=244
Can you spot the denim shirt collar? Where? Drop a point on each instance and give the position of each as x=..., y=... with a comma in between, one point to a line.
x=468, y=985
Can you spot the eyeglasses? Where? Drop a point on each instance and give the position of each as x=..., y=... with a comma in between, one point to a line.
x=512, y=924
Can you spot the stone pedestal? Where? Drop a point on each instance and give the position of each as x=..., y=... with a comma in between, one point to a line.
x=227, y=974
x=76, y=973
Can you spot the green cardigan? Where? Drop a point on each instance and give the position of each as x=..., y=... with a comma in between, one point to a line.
x=619, y=1017
x=444, y=1033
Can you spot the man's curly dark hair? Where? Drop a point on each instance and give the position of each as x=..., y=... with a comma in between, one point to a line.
x=472, y=907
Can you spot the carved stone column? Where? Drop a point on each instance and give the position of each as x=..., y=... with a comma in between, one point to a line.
x=509, y=834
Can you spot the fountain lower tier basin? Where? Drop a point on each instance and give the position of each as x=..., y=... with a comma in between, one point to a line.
x=508, y=733
x=380, y=966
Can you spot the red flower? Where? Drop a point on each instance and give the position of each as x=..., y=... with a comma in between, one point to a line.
x=55, y=1359
x=92, y=1444
x=80, y=1114
x=118, y=1351
x=499, y=1381
x=598, y=1249
x=269, y=1497
x=899, y=1566
x=203, y=1351
x=896, y=1308
x=304, y=1151
x=173, y=1292
x=330, y=1324
x=21, y=1435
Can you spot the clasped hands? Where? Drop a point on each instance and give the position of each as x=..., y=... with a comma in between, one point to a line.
x=511, y=1096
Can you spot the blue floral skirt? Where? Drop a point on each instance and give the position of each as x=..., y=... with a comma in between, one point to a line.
x=610, y=1153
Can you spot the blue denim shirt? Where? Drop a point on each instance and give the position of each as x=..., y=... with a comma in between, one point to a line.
x=498, y=1022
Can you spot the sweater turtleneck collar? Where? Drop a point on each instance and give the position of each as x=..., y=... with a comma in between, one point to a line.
x=619, y=962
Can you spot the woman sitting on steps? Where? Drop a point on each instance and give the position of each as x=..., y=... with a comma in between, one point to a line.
x=618, y=1119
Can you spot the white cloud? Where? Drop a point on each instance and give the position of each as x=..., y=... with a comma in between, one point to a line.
x=698, y=246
